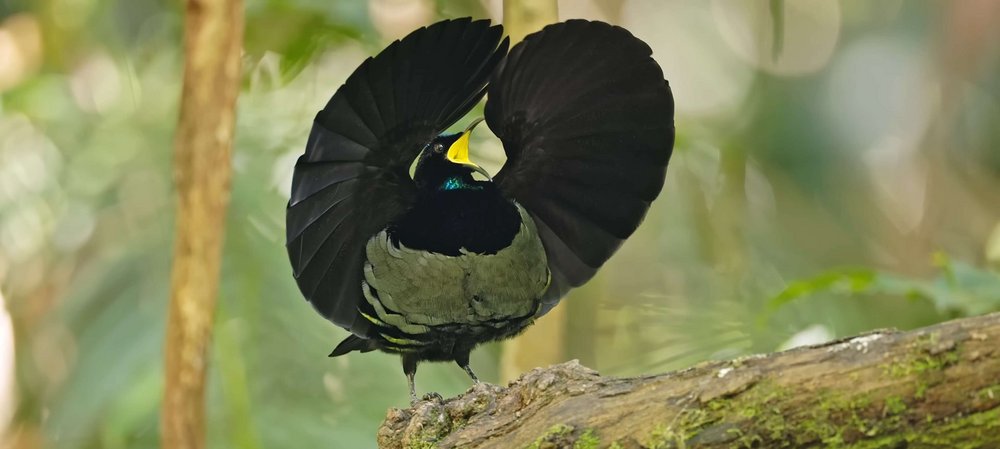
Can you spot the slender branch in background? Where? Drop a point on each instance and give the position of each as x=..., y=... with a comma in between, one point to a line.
x=777, y=8
x=521, y=18
x=213, y=36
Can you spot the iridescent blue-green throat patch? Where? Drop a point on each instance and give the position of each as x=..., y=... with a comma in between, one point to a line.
x=456, y=183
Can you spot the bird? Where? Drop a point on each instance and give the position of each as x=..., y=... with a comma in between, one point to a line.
x=431, y=264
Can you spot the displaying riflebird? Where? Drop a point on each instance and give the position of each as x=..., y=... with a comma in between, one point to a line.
x=432, y=265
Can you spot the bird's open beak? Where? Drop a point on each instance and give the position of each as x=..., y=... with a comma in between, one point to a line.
x=459, y=151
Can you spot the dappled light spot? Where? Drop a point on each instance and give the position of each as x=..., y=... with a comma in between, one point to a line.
x=396, y=18
x=706, y=78
x=20, y=49
x=96, y=83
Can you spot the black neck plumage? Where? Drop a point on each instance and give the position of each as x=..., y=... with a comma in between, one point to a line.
x=474, y=216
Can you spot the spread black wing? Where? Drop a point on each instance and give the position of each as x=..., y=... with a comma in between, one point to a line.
x=353, y=178
x=587, y=122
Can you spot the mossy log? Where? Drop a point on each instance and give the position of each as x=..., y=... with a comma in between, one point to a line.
x=937, y=387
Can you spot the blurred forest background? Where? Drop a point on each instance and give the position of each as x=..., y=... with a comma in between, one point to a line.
x=837, y=169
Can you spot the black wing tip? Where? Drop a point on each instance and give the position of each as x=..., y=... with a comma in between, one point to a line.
x=458, y=21
x=484, y=25
x=504, y=45
x=590, y=28
x=580, y=24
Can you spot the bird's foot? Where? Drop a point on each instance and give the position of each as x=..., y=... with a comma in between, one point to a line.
x=432, y=396
x=472, y=375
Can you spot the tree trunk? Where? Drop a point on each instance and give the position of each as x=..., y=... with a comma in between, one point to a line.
x=213, y=38
x=937, y=387
x=521, y=18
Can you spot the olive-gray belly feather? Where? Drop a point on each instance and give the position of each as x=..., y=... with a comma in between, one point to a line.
x=416, y=289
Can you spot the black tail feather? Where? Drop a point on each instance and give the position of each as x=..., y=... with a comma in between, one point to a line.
x=353, y=343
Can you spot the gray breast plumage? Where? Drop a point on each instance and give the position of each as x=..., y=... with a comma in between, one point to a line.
x=413, y=289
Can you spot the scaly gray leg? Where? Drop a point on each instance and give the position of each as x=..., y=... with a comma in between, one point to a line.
x=410, y=369
x=462, y=359
x=471, y=374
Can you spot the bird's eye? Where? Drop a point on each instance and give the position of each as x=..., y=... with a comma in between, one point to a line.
x=438, y=148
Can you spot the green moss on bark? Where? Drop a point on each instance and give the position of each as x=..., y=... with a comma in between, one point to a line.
x=562, y=436
x=837, y=419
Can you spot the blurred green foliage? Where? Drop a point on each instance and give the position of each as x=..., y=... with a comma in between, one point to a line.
x=959, y=290
x=770, y=189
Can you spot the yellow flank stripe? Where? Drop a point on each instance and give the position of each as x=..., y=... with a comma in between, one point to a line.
x=400, y=349
x=372, y=319
x=401, y=341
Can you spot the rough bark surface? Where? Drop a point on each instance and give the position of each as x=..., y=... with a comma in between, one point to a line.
x=213, y=37
x=937, y=387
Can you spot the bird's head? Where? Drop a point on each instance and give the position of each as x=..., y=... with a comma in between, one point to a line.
x=444, y=163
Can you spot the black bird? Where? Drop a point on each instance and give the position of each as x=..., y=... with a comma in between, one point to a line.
x=432, y=265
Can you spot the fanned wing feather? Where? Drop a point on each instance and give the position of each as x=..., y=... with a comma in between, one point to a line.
x=586, y=120
x=352, y=179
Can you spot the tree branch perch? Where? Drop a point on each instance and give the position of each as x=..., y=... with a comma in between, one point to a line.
x=937, y=387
